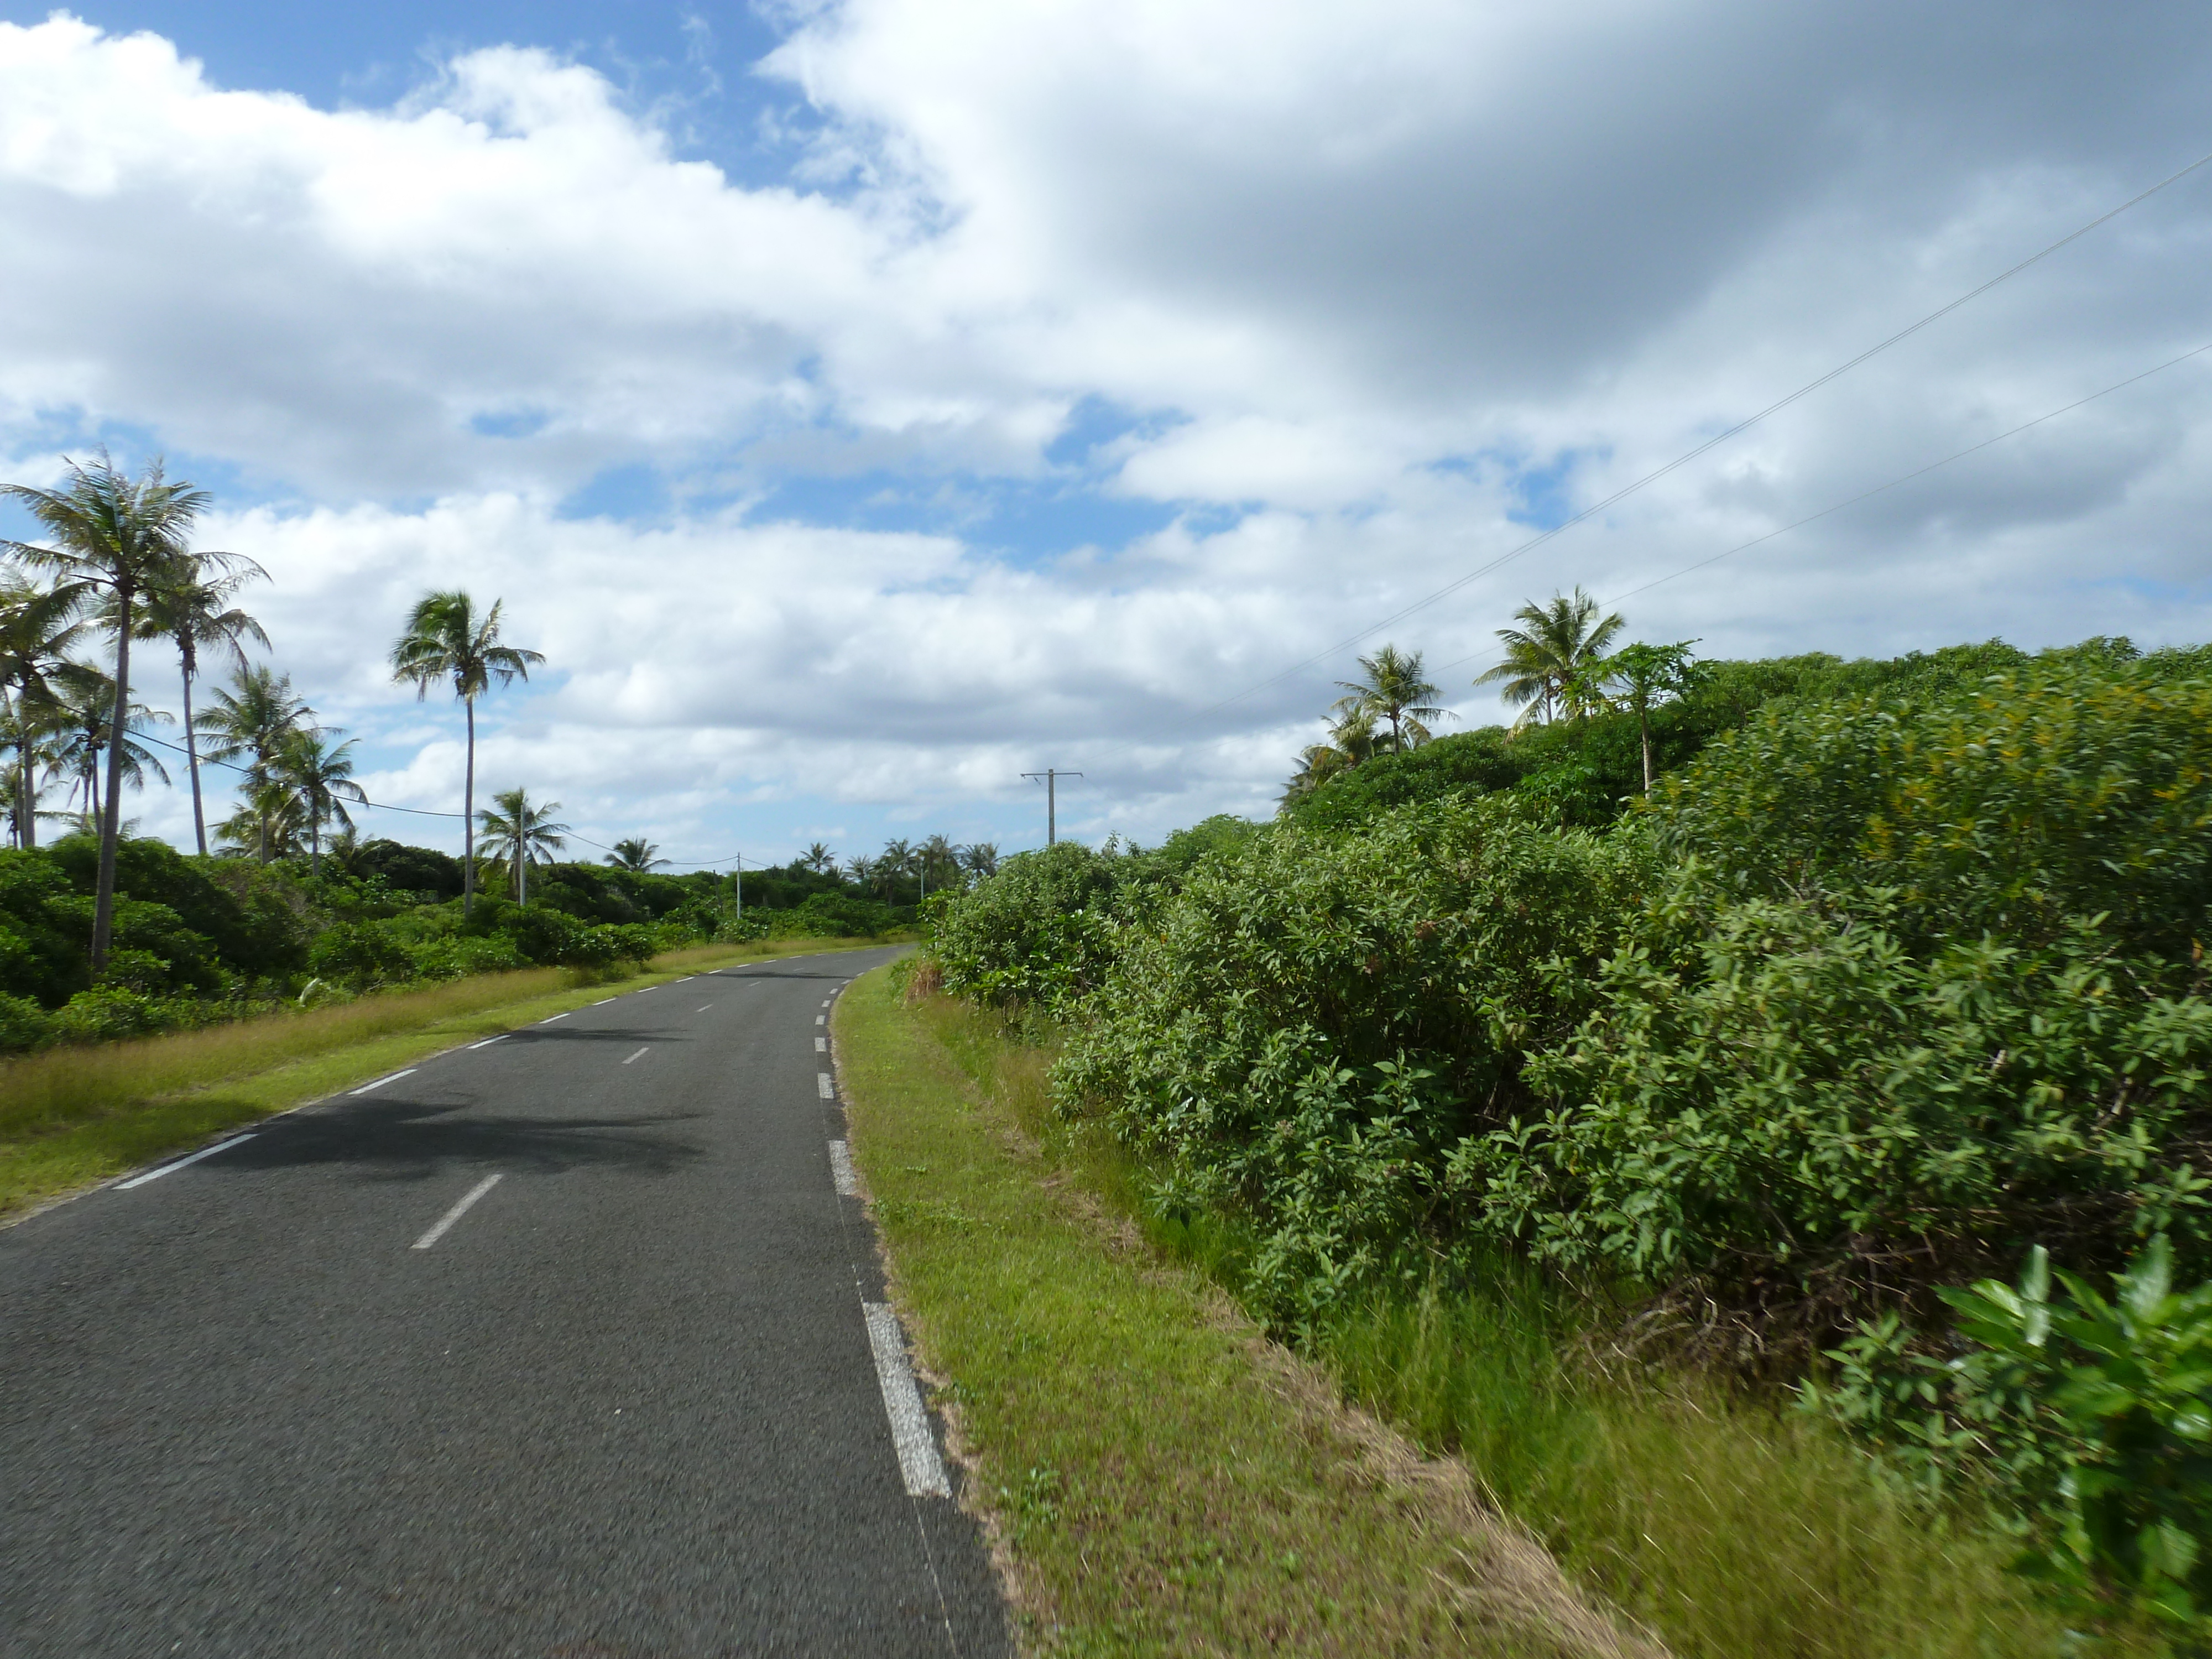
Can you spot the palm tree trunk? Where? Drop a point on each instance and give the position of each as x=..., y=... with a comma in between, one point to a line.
x=1644, y=731
x=110, y=825
x=521, y=872
x=315, y=843
x=469, y=817
x=193, y=758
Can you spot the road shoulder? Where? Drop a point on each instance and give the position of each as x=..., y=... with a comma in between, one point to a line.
x=1154, y=1476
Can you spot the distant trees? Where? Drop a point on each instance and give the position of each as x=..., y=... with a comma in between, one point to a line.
x=637, y=853
x=320, y=775
x=1394, y=686
x=193, y=610
x=40, y=627
x=517, y=834
x=1542, y=672
x=448, y=638
x=118, y=538
x=254, y=718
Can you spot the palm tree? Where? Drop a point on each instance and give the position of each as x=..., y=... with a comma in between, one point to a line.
x=124, y=537
x=937, y=857
x=39, y=628
x=194, y=610
x=637, y=853
x=1545, y=659
x=80, y=724
x=446, y=639
x=270, y=823
x=1394, y=686
x=893, y=864
x=518, y=834
x=980, y=859
x=1351, y=741
x=320, y=775
x=818, y=858
x=256, y=716
x=861, y=870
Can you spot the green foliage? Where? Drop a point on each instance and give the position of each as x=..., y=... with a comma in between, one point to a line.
x=2091, y=1415
x=1043, y=930
x=1781, y=1100
x=1306, y=1030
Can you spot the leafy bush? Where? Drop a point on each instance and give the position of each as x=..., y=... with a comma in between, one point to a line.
x=1307, y=1029
x=835, y=915
x=23, y=1025
x=2093, y=1416
x=1811, y=1123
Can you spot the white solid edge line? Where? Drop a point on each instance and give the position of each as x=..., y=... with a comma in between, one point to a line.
x=549, y=1019
x=488, y=1042
x=841, y=1169
x=919, y=1465
x=456, y=1212
x=639, y=1053
x=829, y=1089
x=170, y=1169
x=381, y=1081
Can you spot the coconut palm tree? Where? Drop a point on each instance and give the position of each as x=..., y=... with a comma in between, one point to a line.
x=447, y=638
x=1545, y=658
x=1351, y=741
x=1394, y=686
x=270, y=823
x=637, y=853
x=194, y=610
x=256, y=716
x=893, y=865
x=39, y=629
x=82, y=734
x=818, y=858
x=518, y=834
x=320, y=773
x=860, y=871
x=980, y=859
x=122, y=537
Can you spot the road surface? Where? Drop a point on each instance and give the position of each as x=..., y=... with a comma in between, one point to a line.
x=571, y=1343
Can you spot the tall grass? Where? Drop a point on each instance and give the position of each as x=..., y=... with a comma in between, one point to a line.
x=1728, y=1525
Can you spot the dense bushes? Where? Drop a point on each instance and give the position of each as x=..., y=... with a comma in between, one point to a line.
x=1899, y=982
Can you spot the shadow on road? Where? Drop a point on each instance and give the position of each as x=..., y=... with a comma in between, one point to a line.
x=414, y=1140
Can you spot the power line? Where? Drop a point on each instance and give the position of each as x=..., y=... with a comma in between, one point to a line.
x=1881, y=489
x=1683, y=459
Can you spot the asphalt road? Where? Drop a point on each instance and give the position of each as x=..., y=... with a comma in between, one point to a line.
x=625, y=1403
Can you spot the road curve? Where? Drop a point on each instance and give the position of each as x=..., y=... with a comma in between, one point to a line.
x=570, y=1344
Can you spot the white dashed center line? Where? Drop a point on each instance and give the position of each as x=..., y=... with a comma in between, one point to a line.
x=456, y=1212
x=702, y=1008
x=822, y=1045
x=638, y=1055
x=821, y=1019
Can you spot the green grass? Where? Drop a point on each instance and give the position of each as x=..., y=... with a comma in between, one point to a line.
x=1159, y=1480
x=1731, y=1529
x=72, y=1117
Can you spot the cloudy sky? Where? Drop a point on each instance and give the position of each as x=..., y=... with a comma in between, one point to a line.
x=862, y=403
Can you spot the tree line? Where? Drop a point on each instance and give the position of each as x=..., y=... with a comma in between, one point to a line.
x=1555, y=667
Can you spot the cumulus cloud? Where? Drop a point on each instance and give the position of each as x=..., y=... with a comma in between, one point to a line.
x=1370, y=294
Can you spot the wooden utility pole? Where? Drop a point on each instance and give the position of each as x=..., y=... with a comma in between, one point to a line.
x=1052, y=776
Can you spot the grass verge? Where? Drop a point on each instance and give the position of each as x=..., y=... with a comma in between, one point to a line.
x=1122, y=1435
x=70, y=1118
x=1158, y=1479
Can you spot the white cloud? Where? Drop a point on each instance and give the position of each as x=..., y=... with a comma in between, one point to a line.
x=1367, y=283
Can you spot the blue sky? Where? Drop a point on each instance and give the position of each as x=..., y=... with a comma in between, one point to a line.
x=863, y=403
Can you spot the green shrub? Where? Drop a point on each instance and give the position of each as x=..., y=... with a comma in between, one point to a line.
x=23, y=1025
x=1303, y=1033
x=361, y=955
x=1813, y=1123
